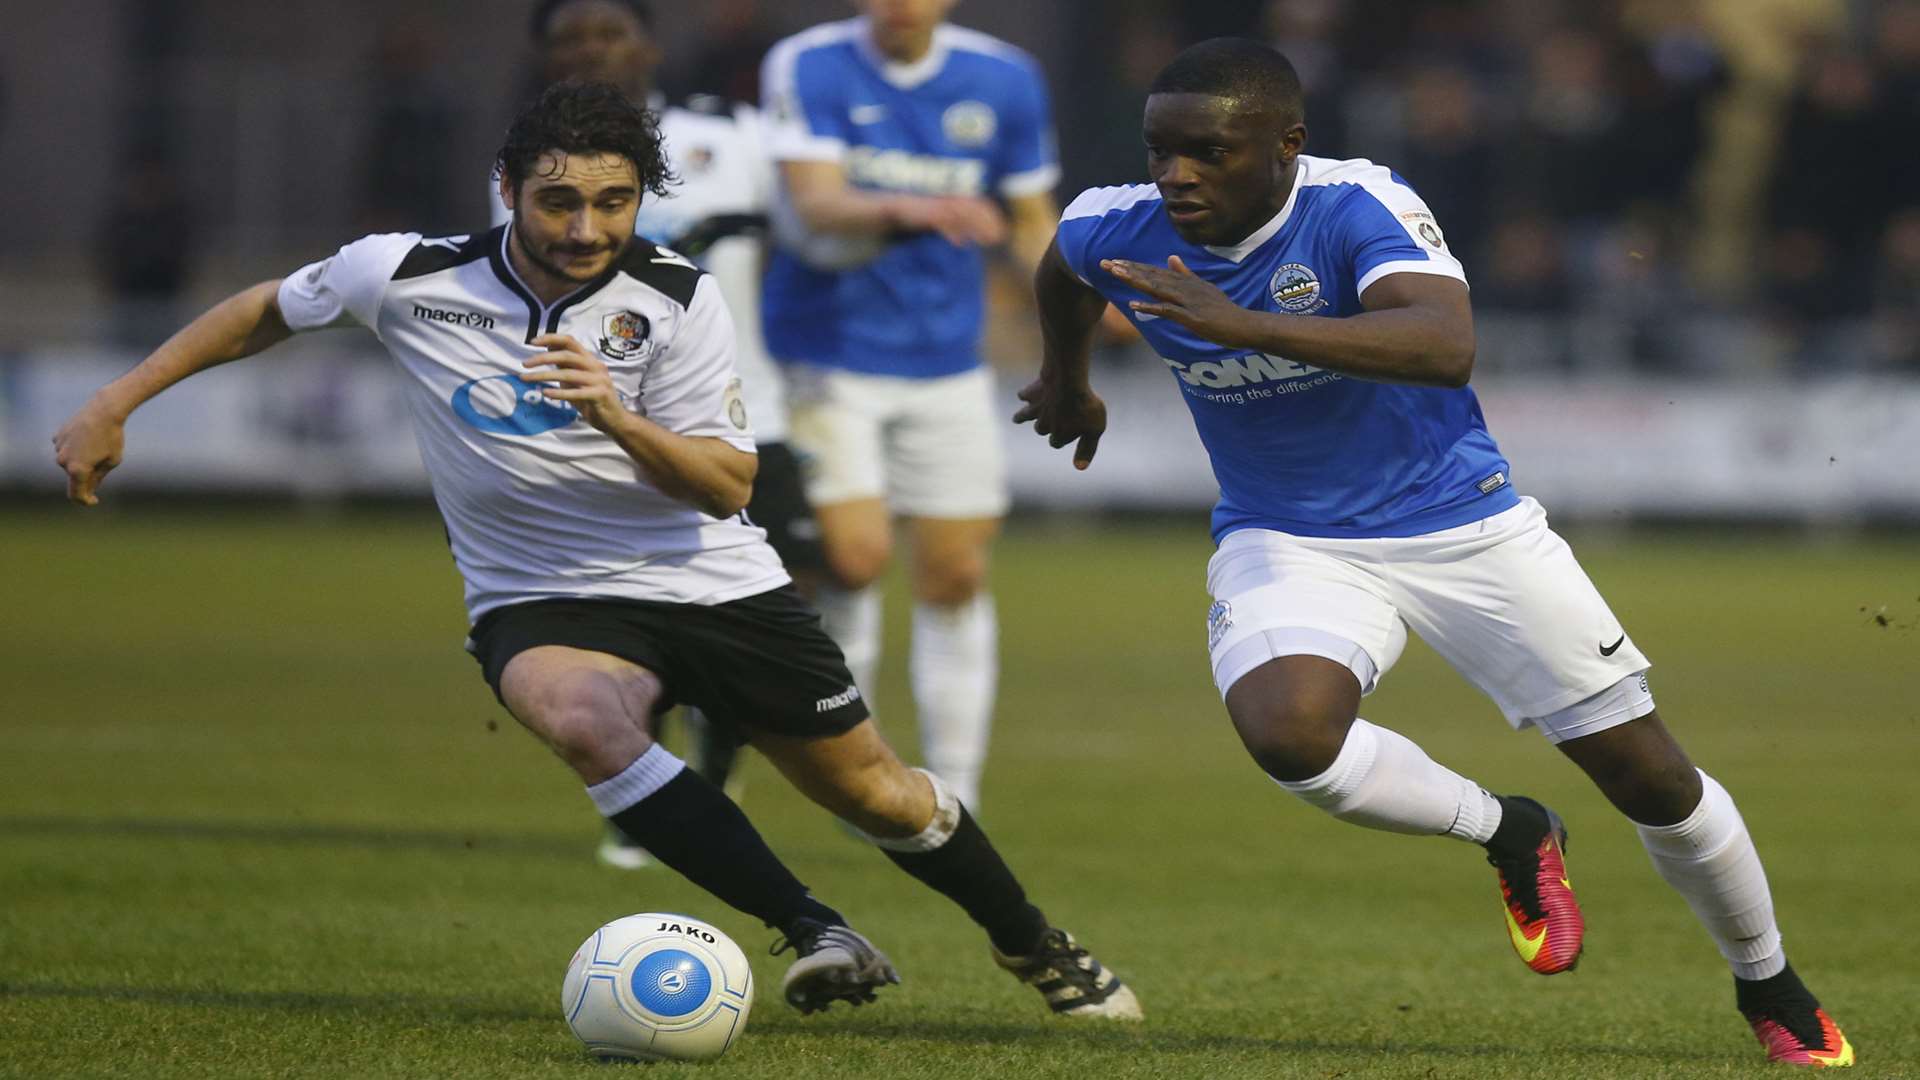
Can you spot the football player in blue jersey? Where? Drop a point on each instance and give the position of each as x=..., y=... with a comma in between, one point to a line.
x=906, y=146
x=1320, y=334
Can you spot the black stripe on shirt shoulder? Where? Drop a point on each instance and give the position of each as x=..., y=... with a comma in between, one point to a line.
x=709, y=231
x=434, y=254
x=662, y=269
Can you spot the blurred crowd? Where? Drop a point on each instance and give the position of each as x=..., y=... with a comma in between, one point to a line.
x=1570, y=148
x=1625, y=181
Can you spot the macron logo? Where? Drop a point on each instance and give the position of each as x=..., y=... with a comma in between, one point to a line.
x=457, y=318
x=837, y=701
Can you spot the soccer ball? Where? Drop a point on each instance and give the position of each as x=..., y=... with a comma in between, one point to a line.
x=657, y=987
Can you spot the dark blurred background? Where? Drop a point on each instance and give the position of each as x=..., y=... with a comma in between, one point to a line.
x=1715, y=195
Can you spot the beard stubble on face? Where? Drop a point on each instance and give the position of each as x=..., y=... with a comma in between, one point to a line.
x=545, y=257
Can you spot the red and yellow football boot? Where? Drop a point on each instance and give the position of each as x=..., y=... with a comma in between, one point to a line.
x=1543, y=919
x=1790, y=1024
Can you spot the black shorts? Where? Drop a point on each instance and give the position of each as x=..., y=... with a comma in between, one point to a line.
x=779, y=505
x=761, y=663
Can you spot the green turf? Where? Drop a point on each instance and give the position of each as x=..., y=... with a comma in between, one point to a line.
x=260, y=817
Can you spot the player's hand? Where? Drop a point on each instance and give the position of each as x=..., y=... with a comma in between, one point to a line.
x=1065, y=416
x=963, y=220
x=87, y=447
x=568, y=372
x=1183, y=296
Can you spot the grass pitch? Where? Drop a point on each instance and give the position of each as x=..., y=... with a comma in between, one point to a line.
x=260, y=817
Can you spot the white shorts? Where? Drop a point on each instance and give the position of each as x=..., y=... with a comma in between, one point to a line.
x=1503, y=600
x=930, y=447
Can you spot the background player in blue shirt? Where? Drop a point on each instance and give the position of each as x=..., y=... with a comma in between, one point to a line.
x=1321, y=335
x=899, y=139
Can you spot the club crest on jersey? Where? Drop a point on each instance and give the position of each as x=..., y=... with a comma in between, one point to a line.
x=1296, y=289
x=624, y=334
x=969, y=123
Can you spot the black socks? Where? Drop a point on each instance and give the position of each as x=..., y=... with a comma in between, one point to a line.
x=692, y=827
x=967, y=870
x=1522, y=823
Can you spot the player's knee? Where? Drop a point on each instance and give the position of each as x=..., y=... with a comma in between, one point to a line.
x=856, y=563
x=1653, y=790
x=1293, y=713
x=1641, y=770
x=1653, y=800
x=594, y=742
x=1293, y=740
x=585, y=721
x=952, y=582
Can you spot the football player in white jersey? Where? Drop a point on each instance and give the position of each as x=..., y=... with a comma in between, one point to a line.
x=573, y=392
x=716, y=216
x=1320, y=333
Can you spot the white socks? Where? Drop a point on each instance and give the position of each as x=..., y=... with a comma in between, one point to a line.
x=1383, y=781
x=852, y=620
x=955, y=671
x=1710, y=860
x=647, y=774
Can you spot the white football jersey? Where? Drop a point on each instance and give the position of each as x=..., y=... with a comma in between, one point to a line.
x=538, y=503
x=726, y=186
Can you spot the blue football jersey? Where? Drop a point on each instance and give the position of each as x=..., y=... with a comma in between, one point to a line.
x=1295, y=448
x=970, y=118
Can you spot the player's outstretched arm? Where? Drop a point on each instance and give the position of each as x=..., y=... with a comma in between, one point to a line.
x=1061, y=402
x=1417, y=328
x=706, y=473
x=90, y=443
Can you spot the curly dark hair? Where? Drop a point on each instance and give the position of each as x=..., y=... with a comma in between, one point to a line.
x=585, y=118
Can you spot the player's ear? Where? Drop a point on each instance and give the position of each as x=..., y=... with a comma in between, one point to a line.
x=1293, y=141
x=1286, y=148
x=506, y=191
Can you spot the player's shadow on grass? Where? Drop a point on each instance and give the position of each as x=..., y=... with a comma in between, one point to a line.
x=1100, y=1034
x=412, y=1007
x=556, y=845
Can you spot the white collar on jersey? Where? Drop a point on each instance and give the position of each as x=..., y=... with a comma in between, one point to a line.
x=1240, y=251
x=904, y=76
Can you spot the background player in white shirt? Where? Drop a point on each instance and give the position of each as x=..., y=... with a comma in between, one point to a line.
x=573, y=392
x=1320, y=333
x=899, y=140
x=716, y=216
